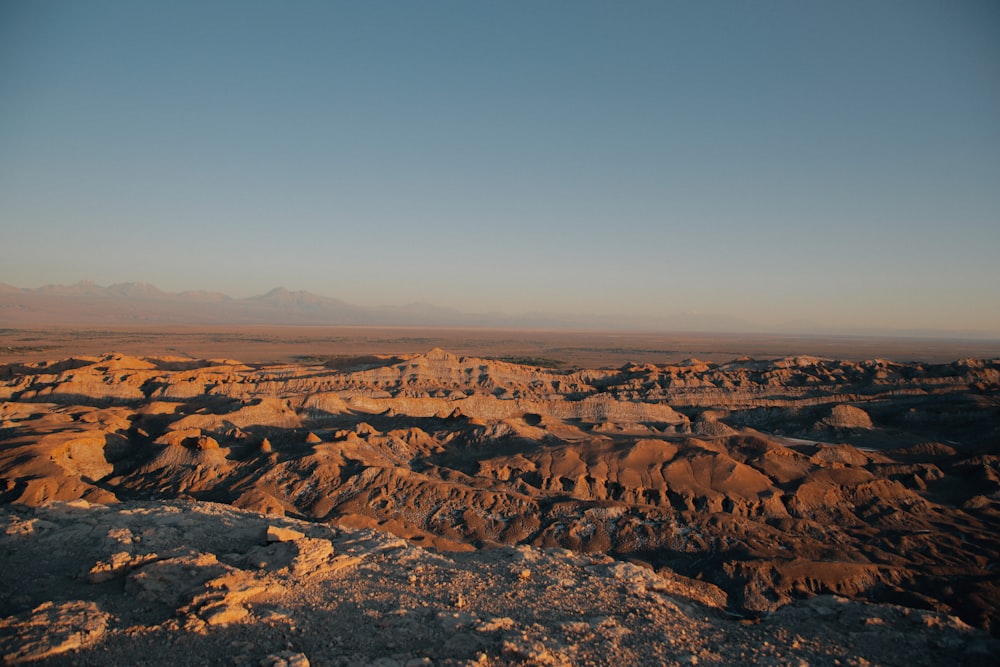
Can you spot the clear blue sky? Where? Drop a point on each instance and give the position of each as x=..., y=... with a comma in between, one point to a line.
x=831, y=161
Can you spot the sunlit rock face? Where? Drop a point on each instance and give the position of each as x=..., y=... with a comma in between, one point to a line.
x=763, y=481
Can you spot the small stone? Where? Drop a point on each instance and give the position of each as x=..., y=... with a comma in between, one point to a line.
x=285, y=659
x=205, y=442
x=223, y=614
x=494, y=624
x=109, y=568
x=278, y=534
x=314, y=554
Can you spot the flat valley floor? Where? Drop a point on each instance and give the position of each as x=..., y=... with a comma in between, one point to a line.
x=566, y=349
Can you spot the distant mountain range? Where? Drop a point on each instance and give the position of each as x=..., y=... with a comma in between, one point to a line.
x=87, y=303
x=135, y=303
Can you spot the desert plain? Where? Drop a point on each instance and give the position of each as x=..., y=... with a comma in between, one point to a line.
x=413, y=496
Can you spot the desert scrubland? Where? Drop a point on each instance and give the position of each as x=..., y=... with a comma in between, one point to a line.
x=363, y=496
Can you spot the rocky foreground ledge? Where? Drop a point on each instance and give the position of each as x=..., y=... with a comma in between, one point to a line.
x=196, y=583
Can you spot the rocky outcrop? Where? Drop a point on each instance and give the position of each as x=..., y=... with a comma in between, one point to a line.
x=766, y=481
x=51, y=629
x=209, y=584
x=846, y=416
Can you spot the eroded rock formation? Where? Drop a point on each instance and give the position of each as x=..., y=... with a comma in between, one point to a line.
x=762, y=481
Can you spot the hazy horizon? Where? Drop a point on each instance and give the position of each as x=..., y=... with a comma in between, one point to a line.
x=770, y=162
x=138, y=303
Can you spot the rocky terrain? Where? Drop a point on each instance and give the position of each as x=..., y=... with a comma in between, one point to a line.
x=749, y=489
x=175, y=583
